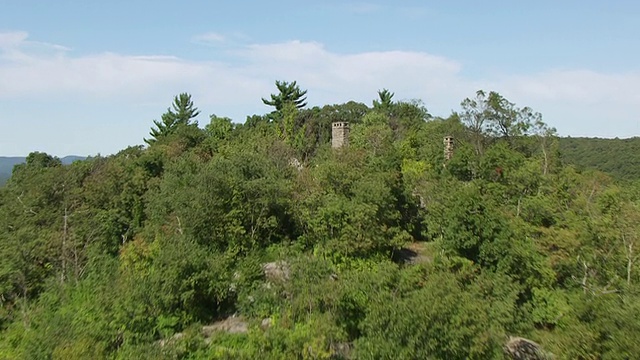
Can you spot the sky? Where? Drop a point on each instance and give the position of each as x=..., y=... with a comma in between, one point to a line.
x=89, y=77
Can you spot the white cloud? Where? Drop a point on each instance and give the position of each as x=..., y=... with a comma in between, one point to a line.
x=101, y=74
x=15, y=45
x=575, y=101
x=329, y=76
x=581, y=102
x=333, y=77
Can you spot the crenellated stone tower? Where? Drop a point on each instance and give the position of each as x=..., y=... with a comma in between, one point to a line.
x=339, y=134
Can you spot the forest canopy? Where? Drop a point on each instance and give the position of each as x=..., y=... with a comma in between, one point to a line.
x=261, y=241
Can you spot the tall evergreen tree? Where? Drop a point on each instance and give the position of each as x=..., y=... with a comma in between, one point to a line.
x=289, y=92
x=385, y=102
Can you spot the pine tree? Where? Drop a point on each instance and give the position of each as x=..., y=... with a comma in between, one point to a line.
x=288, y=92
x=182, y=114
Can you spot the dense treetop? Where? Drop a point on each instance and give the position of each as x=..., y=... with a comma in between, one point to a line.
x=258, y=240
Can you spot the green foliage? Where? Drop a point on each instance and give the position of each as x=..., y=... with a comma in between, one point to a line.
x=345, y=207
x=218, y=131
x=491, y=116
x=233, y=203
x=385, y=103
x=169, y=284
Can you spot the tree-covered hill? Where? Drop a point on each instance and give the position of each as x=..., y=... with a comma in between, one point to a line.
x=618, y=157
x=262, y=241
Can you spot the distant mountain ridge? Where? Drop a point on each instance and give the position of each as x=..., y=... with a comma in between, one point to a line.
x=8, y=162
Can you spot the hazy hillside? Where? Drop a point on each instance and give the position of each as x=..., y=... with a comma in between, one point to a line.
x=6, y=165
x=618, y=157
x=8, y=162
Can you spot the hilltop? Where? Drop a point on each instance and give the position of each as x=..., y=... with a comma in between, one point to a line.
x=619, y=158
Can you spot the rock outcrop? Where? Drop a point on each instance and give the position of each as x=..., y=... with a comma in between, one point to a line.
x=523, y=349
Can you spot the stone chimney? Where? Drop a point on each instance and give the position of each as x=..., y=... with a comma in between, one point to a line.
x=339, y=134
x=448, y=148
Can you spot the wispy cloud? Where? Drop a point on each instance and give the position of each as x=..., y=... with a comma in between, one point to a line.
x=345, y=76
x=15, y=46
x=209, y=38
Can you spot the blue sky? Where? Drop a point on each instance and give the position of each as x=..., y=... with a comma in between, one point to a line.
x=88, y=77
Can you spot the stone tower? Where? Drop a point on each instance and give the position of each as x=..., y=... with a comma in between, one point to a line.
x=339, y=134
x=448, y=148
